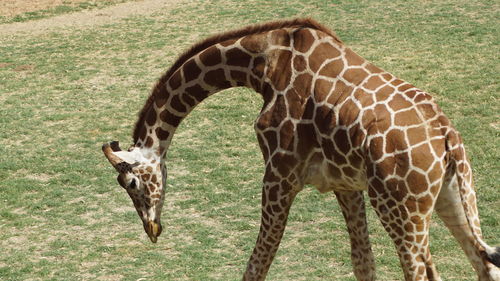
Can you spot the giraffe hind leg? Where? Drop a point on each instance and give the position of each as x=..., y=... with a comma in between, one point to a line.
x=406, y=225
x=353, y=208
x=451, y=211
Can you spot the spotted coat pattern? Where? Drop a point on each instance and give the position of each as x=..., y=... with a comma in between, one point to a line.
x=334, y=120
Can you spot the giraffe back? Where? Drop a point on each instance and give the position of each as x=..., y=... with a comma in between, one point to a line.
x=331, y=114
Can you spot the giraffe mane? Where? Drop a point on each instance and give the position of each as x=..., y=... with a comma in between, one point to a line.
x=160, y=89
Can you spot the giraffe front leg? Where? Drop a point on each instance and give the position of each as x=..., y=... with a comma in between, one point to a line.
x=353, y=208
x=277, y=197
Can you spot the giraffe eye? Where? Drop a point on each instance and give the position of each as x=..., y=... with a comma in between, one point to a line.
x=133, y=184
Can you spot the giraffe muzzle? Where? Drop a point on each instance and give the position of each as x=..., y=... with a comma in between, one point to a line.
x=153, y=230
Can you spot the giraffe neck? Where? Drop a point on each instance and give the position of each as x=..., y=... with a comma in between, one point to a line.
x=218, y=67
x=262, y=58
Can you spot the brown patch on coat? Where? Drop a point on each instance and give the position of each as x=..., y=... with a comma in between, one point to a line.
x=418, y=182
x=236, y=57
x=324, y=119
x=302, y=85
x=254, y=43
x=395, y=140
x=348, y=113
x=191, y=71
x=373, y=83
x=280, y=74
x=420, y=156
x=280, y=37
x=407, y=118
x=355, y=75
x=397, y=103
x=321, y=89
x=340, y=93
x=352, y=58
x=211, y=56
x=299, y=63
x=302, y=40
x=321, y=53
x=217, y=78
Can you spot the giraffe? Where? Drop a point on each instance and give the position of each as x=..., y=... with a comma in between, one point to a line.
x=330, y=119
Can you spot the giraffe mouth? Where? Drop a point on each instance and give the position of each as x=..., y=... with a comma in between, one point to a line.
x=153, y=238
x=153, y=230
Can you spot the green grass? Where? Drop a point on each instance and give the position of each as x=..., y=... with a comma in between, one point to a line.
x=64, y=217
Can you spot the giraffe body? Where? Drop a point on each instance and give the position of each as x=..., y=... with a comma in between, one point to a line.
x=330, y=119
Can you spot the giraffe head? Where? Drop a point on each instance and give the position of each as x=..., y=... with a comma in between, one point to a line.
x=139, y=173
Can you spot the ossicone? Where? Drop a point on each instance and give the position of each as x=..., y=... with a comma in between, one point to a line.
x=108, y=149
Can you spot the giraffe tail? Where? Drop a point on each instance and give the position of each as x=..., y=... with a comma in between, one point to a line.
x=461, y=167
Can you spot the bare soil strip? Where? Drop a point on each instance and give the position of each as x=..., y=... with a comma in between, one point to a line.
x=10, y=8
x=86, y=19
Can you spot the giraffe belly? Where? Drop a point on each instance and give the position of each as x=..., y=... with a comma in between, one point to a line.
x=326, y=176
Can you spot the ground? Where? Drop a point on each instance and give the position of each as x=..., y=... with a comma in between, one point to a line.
x=11, y=8
x=94, y=13
x=73, y=78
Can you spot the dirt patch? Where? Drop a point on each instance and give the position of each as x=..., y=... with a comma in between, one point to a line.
x=24, y=67
x=84, y=19
x=11, y=8
x=5, y=64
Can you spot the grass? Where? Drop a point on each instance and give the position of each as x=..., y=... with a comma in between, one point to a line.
x=63, y=217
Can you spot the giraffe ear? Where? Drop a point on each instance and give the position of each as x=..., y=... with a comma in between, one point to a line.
x=116, y=156
x=130, y=157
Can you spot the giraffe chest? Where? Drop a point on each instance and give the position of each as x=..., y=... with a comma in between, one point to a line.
x=327, y=175
x=338, y=160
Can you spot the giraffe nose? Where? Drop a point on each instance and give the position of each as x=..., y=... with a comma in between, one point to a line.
x=153, y=230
